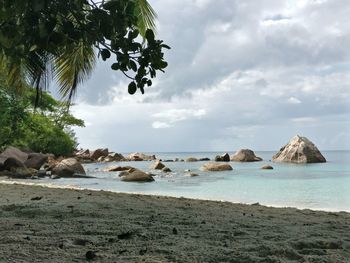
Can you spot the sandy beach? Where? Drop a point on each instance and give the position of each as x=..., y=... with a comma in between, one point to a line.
x=41, y=224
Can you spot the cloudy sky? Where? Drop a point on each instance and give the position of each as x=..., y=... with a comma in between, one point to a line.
x=247, y=73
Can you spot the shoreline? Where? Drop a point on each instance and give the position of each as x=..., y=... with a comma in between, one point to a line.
x=40, y=223
x=54, y=186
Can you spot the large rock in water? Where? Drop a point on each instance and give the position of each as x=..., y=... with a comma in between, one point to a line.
x=68, y=168
x=245, y=155
x=135, y=175
x=215, y=167
x=299, y=150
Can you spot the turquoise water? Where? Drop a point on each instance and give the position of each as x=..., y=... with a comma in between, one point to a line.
x=324, y=186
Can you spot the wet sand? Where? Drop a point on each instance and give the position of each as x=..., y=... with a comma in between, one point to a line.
x=41, y=224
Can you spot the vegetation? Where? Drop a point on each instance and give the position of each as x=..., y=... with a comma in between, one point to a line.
x=44, y=129
x=41, y=40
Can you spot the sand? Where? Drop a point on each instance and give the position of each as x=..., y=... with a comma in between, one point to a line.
x=41, y=224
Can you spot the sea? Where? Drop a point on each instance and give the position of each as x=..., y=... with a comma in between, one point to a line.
x=321, y=186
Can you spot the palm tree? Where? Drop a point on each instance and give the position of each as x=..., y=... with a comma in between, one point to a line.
x=69, y=65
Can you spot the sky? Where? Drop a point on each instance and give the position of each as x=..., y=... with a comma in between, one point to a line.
x=242, y=74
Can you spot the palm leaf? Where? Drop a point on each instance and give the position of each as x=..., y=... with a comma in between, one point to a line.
x=13, y=73
x=72, y=67
x=146, y=16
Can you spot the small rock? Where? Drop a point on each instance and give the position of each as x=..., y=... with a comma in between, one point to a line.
x=90, y=255
x=267, y=167
x=157, y=166
x=166, y=170
x=174, y=231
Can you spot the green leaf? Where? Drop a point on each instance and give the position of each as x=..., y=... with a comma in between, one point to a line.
x=165, y=46
x=115, y=66
x=133, y=65
x=105, y=54
x=132, y=88
x=149, y=35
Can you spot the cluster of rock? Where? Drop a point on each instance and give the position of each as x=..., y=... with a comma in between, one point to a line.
x=222, y=158
x=103, y=155
x=98, y=155
x=157, y=165
x=16, y=163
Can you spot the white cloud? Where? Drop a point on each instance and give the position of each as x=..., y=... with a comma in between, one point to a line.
x=172, y=116
x=294, y=100
x=257, y=66
x=160, y=125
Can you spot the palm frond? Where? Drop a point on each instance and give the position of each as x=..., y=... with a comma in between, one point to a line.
x=72, y=67
x=146, y=16
x=13, y=73
x=38, y=69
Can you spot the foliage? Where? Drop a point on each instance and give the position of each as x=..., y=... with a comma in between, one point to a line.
x=46, y=129
x=45, y=39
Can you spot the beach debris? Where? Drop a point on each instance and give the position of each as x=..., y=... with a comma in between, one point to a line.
x=191, y=159
x=299, y=150
x=213, y=167
x=222, y=158
x=122, y=251
x=80, y=242
x=157, y=165
x=68, y=168
x=89, y=255
x=135, y=175
x=125, y=235
x=266, y=167
x=36, y=198
x=245, y=155
x=174, y=231
x=142, y=251
x=166, y=170
x=71, y=207
x=193, y=174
